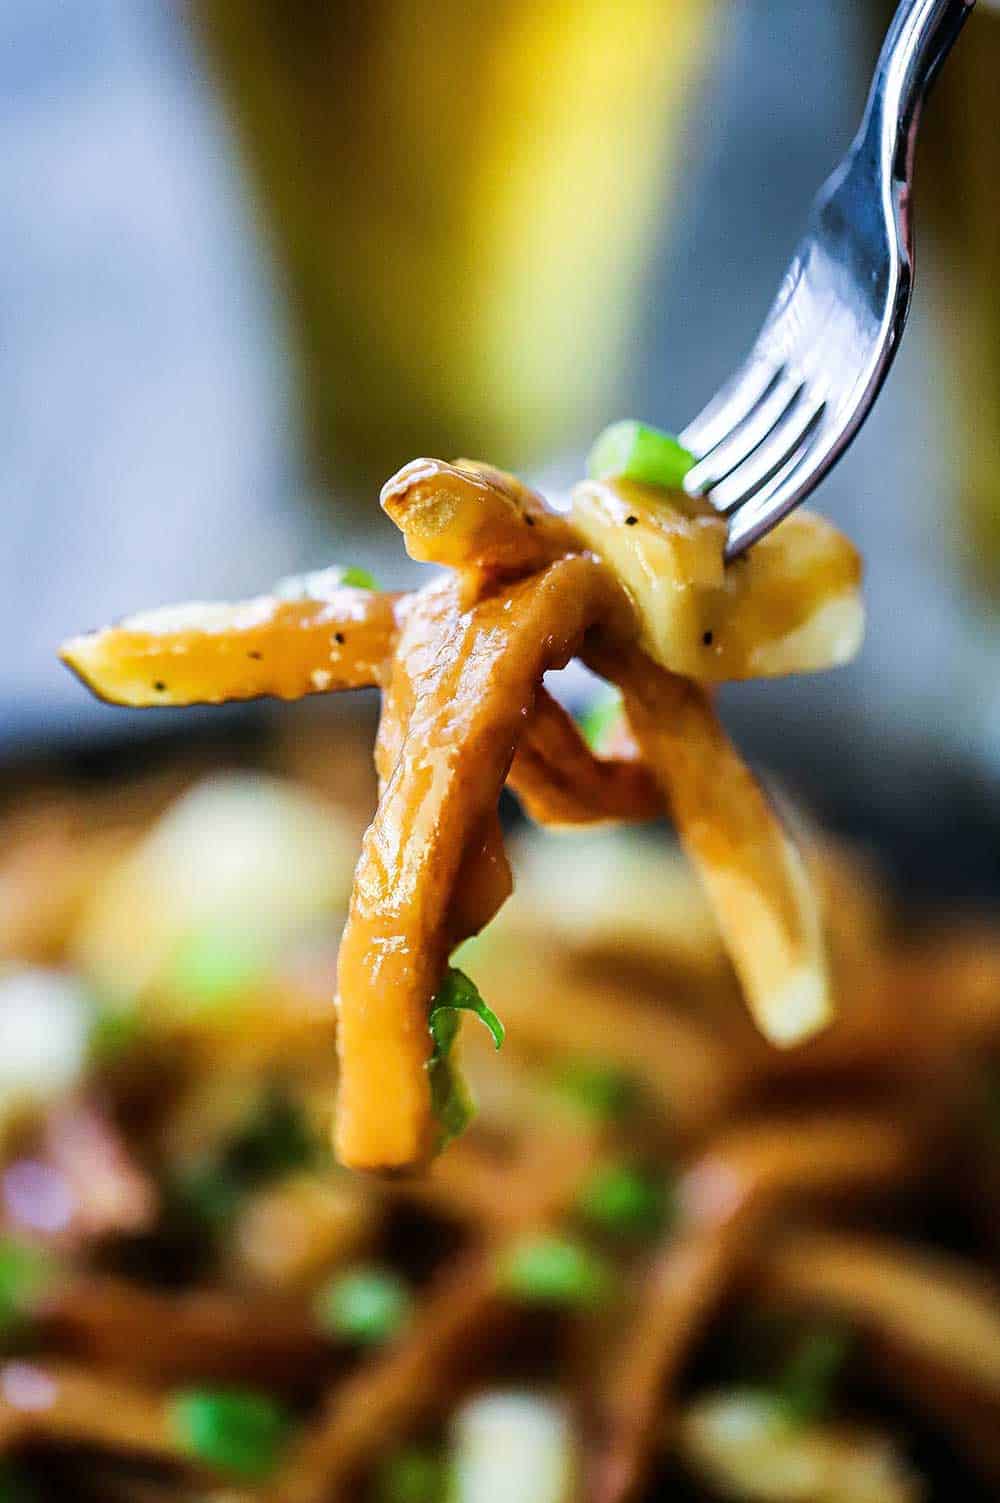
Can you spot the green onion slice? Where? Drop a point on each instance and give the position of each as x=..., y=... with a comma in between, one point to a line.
x=555, y=1271
x=367, y=1306
x=624, y=1200
x=319, y=584
x=635, y=451
x=600, y=718
x=603, y=1092
x=26, y=1275
x=210, y=968
x=239, y=1431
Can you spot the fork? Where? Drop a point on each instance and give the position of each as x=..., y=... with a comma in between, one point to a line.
x=779, y=425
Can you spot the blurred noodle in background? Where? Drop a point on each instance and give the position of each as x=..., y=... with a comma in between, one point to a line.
x=461, y=198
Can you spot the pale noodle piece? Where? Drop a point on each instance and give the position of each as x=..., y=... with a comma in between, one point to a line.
x=754, y=875
x=213, y=653
x=472, y=516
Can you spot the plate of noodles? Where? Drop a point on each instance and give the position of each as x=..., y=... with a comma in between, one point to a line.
x=277, y=1220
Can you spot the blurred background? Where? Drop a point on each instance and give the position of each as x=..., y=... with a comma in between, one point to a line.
x=258, y=253
x=255, y=255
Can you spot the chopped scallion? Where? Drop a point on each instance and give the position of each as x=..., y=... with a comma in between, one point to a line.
x=624, y=1200
x=367, y=1306
x=236, y=1430
x=599, y=720
x=600, y=1091
x=360, y=579
x=636, y=451
x=554, y=1270
x=26, y=1274
x=319, y=584
x=210, y=969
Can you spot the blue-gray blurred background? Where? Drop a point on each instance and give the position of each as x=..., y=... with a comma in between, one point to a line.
x=251, y=254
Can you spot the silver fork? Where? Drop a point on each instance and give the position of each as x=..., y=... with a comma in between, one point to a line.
x=773, y=431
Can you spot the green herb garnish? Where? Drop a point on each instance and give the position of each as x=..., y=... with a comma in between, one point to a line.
x=450, y=1098
x=26, y=1275
x=319, y=584
x=600, y=718
x=236, y=1430
x=626, y=1201
x=600, y=1091
x=805, y=1386
x=635, y=451
x=413, y=1476
x=555, y=1271
x=367, y=1306
x=211, y=968
x=360, y=579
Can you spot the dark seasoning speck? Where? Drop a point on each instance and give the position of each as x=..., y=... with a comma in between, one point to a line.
x=631, y=521
x=708, y=637
x=338, y=637
x=159, y=686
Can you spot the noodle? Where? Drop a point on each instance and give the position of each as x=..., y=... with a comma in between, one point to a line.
x=195, y=1298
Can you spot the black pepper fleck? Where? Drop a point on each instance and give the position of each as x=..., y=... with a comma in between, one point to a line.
x=631, y=521
x=159, y=686
x=529, y=521
x=338, y=636
x=706, y=637
x=255, y=655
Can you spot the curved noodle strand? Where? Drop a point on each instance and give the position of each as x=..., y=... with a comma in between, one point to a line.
x=470, y=679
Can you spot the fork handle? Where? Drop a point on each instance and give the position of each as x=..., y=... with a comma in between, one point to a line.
x=922, y=34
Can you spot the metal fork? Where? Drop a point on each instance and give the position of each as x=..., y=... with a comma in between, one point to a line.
x=773, y=431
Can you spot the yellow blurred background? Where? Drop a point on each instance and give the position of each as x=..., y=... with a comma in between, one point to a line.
x=462, y=201
x=283, y=246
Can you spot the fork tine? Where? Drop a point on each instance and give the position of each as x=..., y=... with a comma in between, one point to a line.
x=797, y=477
x=773, y=410
x=782, y=443
x=731, y=404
